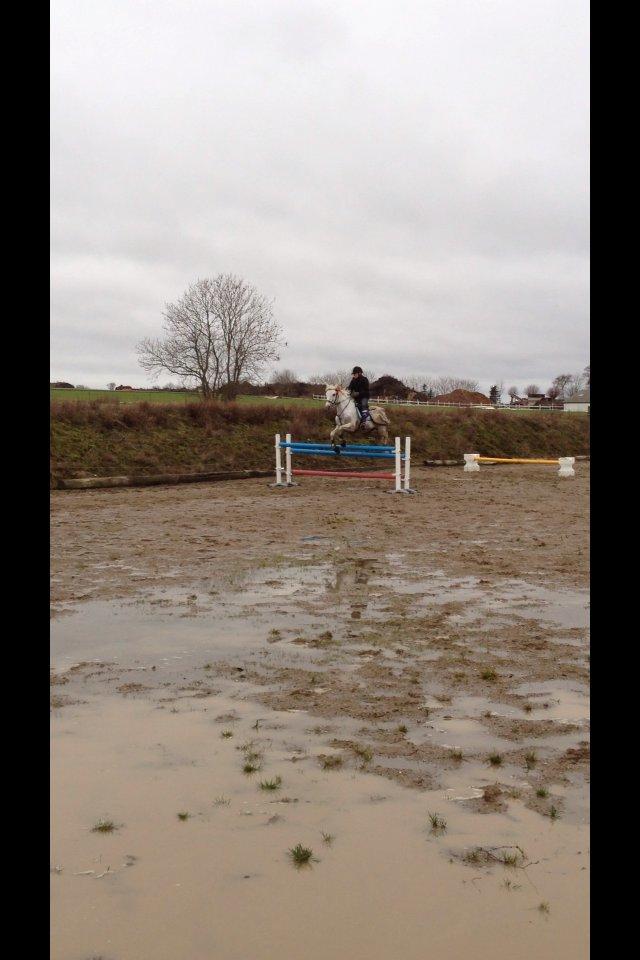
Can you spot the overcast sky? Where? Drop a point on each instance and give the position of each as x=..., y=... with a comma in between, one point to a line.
x=407, y=180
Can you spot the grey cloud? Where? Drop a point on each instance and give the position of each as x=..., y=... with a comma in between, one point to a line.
x=406, y=180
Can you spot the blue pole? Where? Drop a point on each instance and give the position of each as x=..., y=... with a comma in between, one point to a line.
x=362, y=447
x=309, y=451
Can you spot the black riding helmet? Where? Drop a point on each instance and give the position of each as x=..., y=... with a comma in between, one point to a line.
x=356, y=370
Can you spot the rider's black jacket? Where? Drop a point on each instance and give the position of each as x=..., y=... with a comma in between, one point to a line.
x=359, y=387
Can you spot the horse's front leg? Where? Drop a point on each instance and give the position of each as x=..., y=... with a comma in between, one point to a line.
x=336, y=434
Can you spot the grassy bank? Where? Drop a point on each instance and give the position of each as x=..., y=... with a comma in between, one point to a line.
x=97, y=439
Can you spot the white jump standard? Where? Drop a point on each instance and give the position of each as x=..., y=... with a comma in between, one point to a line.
x=401, y=478
x=472, y=463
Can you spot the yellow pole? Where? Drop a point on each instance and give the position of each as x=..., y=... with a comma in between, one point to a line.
x=513, y=460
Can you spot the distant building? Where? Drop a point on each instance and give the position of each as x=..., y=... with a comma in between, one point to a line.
x=537, y=400
x=579, y=402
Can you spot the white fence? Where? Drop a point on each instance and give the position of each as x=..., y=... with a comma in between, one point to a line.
x=468, y=406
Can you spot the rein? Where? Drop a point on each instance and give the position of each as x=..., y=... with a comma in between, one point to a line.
x=337, y=404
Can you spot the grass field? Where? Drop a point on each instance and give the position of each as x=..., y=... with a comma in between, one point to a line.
x=159, y=396
x=170, y=396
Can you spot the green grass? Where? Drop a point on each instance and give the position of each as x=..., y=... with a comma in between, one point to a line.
x=189, y=396
x=274, y=784
x=165, y=396
x=300, y=855
x=511, y=859
x=495, y=759
x=331, y=761
x=438, y=823
x=104, y=826
x=183, y=815
x=473, y=856
x=542, y=793
x=488, y=675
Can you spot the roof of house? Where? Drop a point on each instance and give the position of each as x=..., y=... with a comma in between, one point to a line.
x=583, y=397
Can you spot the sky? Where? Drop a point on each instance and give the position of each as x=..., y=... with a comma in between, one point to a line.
x=407, y=181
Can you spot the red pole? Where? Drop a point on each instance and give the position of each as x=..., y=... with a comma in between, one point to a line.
x=344, y=474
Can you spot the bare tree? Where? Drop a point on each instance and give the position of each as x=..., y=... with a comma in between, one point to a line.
x=416, y=383
x=111, y=386
x=576, y=384
x=514, y=394
x=532, y=390
x=191, y=348
x=339, y=376
x=554, y=392
x=283, y=376
x=250, y=336
x=219, y=332
x=561, y=383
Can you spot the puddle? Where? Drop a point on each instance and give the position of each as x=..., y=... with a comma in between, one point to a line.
x=465, y=734
x=557, y=700
x=221, y=883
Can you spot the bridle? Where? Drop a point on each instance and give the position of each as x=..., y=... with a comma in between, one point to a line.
x=336, y=404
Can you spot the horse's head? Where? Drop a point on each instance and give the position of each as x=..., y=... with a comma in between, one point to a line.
x=332, y=393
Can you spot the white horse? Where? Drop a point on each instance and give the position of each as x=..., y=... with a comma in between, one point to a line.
x=347, y=416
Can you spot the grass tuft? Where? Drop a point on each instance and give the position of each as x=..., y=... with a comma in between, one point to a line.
x=104, y=826
x=495, y=759
x=274, y=784
x=300, y=855
x=438, y=823
x=184, y=815
x=331, y=761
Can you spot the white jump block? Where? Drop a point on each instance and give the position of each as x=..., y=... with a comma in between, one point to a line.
x=471, y=464
x=566, y=466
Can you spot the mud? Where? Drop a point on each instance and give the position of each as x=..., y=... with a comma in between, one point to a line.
x=429, y=652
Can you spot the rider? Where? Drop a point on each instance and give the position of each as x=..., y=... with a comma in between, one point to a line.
x=359, y=389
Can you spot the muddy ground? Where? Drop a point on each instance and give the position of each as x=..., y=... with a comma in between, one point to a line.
x=387, y=657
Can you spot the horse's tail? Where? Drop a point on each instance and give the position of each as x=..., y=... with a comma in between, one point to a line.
x=378, y=415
